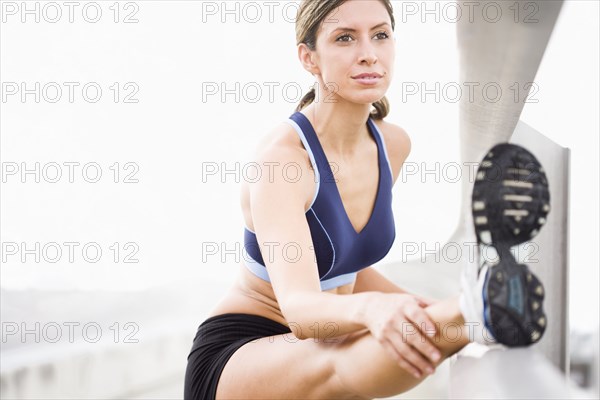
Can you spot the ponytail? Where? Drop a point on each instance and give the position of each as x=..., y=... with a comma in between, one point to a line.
x=382, y=109
x=307, y=99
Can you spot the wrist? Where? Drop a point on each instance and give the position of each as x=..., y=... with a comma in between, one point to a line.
x=364, y=305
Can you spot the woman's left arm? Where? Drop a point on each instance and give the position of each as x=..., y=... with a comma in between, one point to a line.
x=371, y=280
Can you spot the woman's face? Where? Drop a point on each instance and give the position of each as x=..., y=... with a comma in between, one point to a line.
x=355, y=39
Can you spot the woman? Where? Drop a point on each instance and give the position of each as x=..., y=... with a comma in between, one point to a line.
x=312, y=233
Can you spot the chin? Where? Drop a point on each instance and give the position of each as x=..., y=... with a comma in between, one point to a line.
x=367, y=98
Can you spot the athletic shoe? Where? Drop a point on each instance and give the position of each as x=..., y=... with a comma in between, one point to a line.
x=502, y=300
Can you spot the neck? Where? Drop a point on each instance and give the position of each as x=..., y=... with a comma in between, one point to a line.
x=340, y=125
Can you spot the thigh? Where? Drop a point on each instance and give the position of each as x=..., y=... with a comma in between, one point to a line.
x=381, y=379
x=282, y=367
x=365, y=367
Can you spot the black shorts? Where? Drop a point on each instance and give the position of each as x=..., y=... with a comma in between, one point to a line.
x=216, y=340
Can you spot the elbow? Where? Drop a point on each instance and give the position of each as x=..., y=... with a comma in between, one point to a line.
x=298, y=331
x=301, y=330
x=298, y=328
x=296, y=312
x=296, y=323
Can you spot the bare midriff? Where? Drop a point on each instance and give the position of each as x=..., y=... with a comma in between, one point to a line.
x=252, y=295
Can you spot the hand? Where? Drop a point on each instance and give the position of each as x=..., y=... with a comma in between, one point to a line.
x=401, y=325
x=424, y=301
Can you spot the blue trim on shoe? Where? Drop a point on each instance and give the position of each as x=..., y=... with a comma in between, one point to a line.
x=486, y=309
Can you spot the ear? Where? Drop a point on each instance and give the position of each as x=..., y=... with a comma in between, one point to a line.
x=307, y=58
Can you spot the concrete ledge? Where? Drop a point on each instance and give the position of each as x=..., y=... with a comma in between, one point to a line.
x=481, y=372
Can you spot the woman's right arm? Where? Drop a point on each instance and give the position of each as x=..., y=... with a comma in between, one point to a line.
x=277, y=202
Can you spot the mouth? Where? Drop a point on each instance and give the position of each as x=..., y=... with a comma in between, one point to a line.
x=372, y=75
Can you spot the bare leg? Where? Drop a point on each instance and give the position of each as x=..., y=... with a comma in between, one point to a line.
x=364, y=368
x=355, y=367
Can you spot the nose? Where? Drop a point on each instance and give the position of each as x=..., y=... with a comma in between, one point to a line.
x=367, y=53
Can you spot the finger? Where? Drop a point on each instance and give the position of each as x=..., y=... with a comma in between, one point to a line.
x=415, y=337
x=409, y=353
x=425, y=301
x=410, y=368
x=407, y=366
x=420, y=319
x=412, y=356
x=424, y=348
x=397, y=355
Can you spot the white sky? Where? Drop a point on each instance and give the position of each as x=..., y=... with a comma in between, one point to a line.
x=171, y=131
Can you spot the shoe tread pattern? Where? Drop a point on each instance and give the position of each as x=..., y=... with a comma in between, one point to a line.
x=511, y=201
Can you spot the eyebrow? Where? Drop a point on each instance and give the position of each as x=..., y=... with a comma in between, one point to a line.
x=354, y=30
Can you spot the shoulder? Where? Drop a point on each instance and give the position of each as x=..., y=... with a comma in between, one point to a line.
x=397, y=143
x=281, y=144
x=283, y=163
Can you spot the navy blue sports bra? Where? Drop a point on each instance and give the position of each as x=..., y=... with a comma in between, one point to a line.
x=340, y=251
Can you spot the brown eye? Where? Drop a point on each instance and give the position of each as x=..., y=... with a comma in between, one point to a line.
x=343, y=36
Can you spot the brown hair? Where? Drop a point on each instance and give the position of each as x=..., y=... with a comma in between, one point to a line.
x=310, y=16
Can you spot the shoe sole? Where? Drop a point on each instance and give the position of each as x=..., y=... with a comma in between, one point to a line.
x=510, y=209
x=513, y=303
